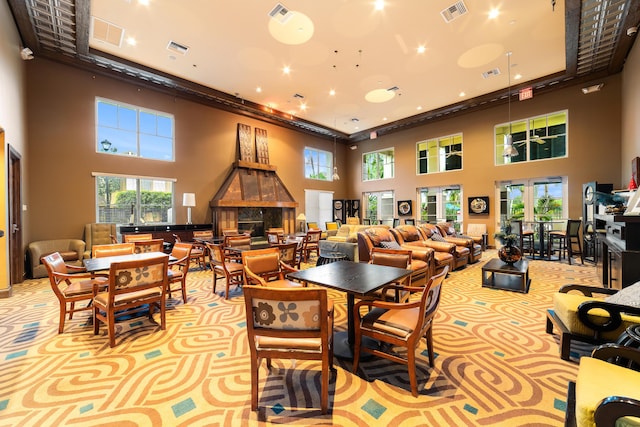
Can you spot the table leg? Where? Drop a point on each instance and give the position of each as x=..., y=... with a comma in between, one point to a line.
x=343, y=341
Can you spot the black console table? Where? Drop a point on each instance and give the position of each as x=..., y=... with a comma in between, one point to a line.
x=620, y=250
x=166, y=232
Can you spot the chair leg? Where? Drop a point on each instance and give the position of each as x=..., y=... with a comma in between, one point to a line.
x=411, y=367
x=255, y=369
x=63, y=315
x=111, y=326
x=324, y=398
x=184, y=290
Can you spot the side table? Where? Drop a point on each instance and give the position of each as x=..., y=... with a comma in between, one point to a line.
x=329, y=257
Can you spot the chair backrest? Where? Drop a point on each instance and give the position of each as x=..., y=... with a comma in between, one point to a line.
x=98, y=234
x=203, y=234
x=127, y=238
x=313, y=226
x=288, y=253
x=144, y=246
x=313, y=236
x=216, y=254
x=230, y=232
x=181, y=250
x=237, y=241
x=331, y=225
x=409, y=221
x=262, y=261
x=274, y=237
x=396, y=222
x=54, y=263
x=366, y=221
x=353, y=220
x=399, y=258
x=138, y=275
x=476, y=229
x=517, y=229
x=112, y=249
x=430, y=299
x=286, y=313
x=573, y=227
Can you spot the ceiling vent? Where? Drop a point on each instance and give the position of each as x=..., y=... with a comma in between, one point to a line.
x=491, y=73
x=393, y=89
x=177, y=48
x=454, y=11
x=280, y=13
x=106, y=32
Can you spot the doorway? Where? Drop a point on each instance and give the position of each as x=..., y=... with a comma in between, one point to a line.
x=16, y=253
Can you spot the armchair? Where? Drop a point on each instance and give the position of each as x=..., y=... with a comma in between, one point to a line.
x=410, y=237
x=581, y=313
x=179, y=269
x=478, y=232
x=233, y=272
x=461, y=251
x=450, y=235
x=607, y=389
x=98, y=234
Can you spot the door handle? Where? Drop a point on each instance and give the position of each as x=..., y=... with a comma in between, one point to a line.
x=14, y=228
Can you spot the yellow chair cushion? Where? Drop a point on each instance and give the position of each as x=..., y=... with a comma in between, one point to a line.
x=598, y=380
x=566, y=308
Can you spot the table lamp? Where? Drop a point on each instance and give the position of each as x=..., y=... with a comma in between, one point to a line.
x=301, y=219
x=188, y=200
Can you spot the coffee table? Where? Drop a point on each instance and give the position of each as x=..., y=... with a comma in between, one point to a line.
x=499, y=275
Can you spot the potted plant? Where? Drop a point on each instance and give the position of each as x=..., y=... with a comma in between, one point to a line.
x=509, y=252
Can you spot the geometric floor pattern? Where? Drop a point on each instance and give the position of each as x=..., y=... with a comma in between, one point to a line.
x=494, y=366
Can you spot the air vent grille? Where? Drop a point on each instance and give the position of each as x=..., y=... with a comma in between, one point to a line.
x=177, y=48
x=106, y=32
x=454, y=11
x=280, y=13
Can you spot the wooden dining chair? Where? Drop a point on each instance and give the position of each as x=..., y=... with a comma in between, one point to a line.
x=146, y=246
x=399, y=258
x=242, y=241
x=114, y=249
x=221, y=266
x=264, y=267
x=71, y=284
x=130, y=238
x=134, y=286
x=197, y=253
x=178, y=269
x=311, y=244
x=289, y=254
x=274, y=238
x=399, y=324
x=567, y=240
x=289, y=324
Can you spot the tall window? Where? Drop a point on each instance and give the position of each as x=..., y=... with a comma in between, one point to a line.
x=134, y=200
x=538, y=138
x=378, y=165
x=379, y=206
x=318, y=164
x=441, y=204
x=537, y=199
x=132, y=131
x=440, y=154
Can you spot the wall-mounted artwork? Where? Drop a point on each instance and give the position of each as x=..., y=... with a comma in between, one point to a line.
x=262, y=146
x=245, y=145
x=479, y=205
x=405, y=207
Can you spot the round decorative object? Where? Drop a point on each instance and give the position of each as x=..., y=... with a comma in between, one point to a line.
x=337, y=204
x=588, y=194
x=404, y=208
x=509, y=254
x=478, y=205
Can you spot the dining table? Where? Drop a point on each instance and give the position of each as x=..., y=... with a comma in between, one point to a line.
x=543, y=227
x=357, y=280
x=93, y=265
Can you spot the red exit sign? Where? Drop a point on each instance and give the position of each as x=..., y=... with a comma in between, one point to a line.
x=526, y=93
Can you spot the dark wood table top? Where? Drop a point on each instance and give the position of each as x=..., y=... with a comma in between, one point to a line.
x=496, y=265
x=104, y=263
x=355, y=278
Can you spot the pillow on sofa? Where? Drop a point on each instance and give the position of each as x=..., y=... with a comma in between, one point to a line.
x=628, y=296
x=437, y=237
x=390, y=245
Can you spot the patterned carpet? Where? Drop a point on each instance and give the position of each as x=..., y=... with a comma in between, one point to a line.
x=495, y=365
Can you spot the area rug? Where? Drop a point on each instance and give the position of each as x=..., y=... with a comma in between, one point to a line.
x=494, y=366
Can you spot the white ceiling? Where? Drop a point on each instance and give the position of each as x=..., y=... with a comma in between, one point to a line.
x=353, y=49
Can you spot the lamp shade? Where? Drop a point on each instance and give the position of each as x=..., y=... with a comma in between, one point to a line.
x=301, y=217
x=188, y=199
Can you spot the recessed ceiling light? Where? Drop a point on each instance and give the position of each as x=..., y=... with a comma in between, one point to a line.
x=259, y=89
x=379, y=5
x=461, y=94
x=419, y=107
x=517, y=77
x=303, y=106
x=332, y=92
x=286, y=69
x=421, y=49
x=131, y=41
x=144, y=2
x=493, y=13
x=384, y=119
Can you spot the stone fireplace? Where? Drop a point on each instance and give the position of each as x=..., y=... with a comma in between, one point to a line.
x=252, y=197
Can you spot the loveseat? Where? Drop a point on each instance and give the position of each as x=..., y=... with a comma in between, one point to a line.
x=349, y=233
x=450, y=235
x=461, y=254
x=71, y=250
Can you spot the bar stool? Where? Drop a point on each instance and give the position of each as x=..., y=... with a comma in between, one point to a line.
x=566, y=239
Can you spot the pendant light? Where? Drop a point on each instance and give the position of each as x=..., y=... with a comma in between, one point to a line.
x=509, y=149
x=335, y=175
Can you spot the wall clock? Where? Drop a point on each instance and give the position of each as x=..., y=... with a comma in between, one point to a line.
x=404, y=207
x=479, y=205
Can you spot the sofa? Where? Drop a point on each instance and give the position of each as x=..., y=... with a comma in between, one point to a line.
x=450, y=235
x=422, y=264
x=71, y=250
x=408, y=236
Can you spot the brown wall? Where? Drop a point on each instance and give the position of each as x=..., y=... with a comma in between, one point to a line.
x=62, y=152
x=593, y=154
x=61, y=128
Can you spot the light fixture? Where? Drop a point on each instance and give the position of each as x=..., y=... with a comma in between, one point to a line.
x=301, y=220
x=509, y=149
x=335, y=175
x=106, y=145
x=188, y=200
